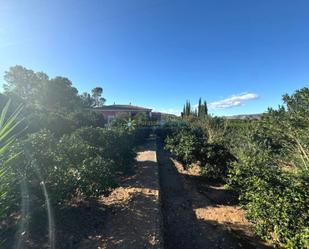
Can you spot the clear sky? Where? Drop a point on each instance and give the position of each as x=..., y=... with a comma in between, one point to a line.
x=239, y=55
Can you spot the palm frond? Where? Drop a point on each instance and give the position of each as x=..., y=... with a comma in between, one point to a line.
x=7, y=138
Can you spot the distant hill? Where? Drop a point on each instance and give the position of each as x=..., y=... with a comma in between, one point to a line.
x=245, y=116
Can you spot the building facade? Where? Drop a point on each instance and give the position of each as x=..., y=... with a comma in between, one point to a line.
x=110, y=112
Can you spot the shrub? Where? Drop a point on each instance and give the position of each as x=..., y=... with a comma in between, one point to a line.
x=215, y=160
x=56, y=123
x=88, y=172
x=185, y=144
x=140, y=134
x=113, y=144
x=83, y=162
x=276, y=201
x=169, y=129
x=189, y=144
x=86, y=118
x=37, y=162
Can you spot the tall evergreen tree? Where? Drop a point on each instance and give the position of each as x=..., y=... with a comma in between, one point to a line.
x=202, y=109
x=199, y=108
x=183, y=111
x=187, y=109
x=205, y=108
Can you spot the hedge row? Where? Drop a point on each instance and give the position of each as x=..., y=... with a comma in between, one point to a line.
x=83, y=163
x=190, y=144
x=267, y=167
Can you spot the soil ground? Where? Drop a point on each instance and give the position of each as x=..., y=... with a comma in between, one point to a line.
x=135, y=218
x=200, y=214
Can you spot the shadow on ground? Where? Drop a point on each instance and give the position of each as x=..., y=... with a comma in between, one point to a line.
x=138, y=211
x=180, y=197
x=213, y=190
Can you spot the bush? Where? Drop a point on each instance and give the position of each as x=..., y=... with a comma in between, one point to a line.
x=36, y=162
x=189, y=144
x=215, y=160
x=276, y=201
x=82, y=163
x=87, y=118
x=56, y=123
x=88, y=172
x=114, y=144
x=140, y=134
x=168, y=129
x=185, y=144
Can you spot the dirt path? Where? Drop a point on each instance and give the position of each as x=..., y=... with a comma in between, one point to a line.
x=133, y=220
x=199, y=220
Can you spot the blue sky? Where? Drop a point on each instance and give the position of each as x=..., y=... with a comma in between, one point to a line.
x=240, y=56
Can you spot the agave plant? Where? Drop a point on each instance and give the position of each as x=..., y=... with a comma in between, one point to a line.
x=130, y=125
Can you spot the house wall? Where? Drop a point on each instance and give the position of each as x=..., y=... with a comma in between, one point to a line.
x=110, y=115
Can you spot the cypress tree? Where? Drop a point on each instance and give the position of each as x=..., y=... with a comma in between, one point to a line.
x=205, y=108
x=183, y=111
x=199, y=108
x=187, y=108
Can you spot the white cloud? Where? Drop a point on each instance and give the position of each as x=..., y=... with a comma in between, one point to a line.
x=234, y=100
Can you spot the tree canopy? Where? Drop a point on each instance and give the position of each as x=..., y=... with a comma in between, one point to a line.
x=37, y=90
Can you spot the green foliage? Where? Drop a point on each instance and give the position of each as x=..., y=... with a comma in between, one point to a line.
x=86, y=118
x=58, y=95
x=8, y=125
x=169, y=129
x=265, y=161
x=292, y=145
x=190, y=144
x=64, y=147
x=276, y=201
x=98, y=101
x=271, y=174
x=202, y=109
x=215, y=160
x=35, y=89
x=120, y=121
x=82, y=163
x=214, y=127
x=140, y=134
x=57, y=123
x=187, y=111
x=88, y=171
x=185, y=144
x=140, y=119
x=24, y=83
x=198, y=113
x=114, y=144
